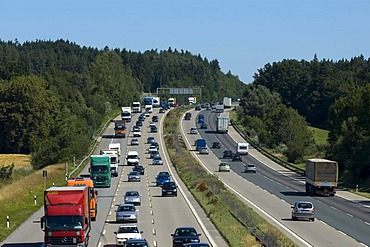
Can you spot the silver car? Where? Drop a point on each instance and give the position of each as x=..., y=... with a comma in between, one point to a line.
x=126, y=213
x=204, y=150
x=250, y=168
x=134, y=141
x=303, y=210
x=133, y=176
x=157, y=160
x=132, y=197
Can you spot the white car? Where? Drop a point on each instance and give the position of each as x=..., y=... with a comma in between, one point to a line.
x=193, y=131
x=152, y=148
x=126, y=232
x=250, y=168
x=137, y=133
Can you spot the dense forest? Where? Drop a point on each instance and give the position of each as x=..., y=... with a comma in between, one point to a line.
x=327, y=94
x=54, y=94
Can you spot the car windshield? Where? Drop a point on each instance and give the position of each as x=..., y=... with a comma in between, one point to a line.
x=186, y=232
x=169, y=185
x=132, y=193
x=304, y=205
x=128, y=230
x=63, y=222
x=125, y=208
x=133, y=173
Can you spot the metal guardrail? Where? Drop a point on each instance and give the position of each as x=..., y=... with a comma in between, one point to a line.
x=92, y=149
x=267, y=154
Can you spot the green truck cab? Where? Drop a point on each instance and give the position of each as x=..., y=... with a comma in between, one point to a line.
x=100, y=171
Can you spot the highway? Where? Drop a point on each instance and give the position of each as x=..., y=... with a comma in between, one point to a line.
x=158, y=216
x=340, y=222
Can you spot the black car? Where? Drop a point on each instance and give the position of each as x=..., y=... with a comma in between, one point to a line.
x=187, y=116
x=216, y=145
x=228, y=154
x=153, y=129
x=169, y=189
x=198, y=108
x=184, y=235
x=155, y=119
x=136, y=243
x=150, y=140
x=139, y=123
x=237, y=157
x=139, y=168
x=162, y=110
x=203, y=126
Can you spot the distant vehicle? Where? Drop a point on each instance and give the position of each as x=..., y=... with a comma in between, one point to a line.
x=137, y=132
x=152, y=148
x=155, y=118
x=132, y=158
x=303, y=210
x=133, y=197
x=134, y=142
x=136, y=107
x=187, y=116
x=250, y=168
x=169, y=189
x=126, y=213
x=156, y=102
x=192, y=100
x=125, y=232
x=162, y=110
x=224, y=167
x=242, y=148
x=200, y=143
x=157, y=160
x=139, y=123
x=197, y=245
x=171, y=102
x=183, y=235
x=228, y=154
x=139, y=168
x=201, y=118
x=203, y=126
x=161, y=179
x=216, y=145
x=153, y=129
x=119, y=128
x=150, y=139
x=222, y=124
x=193, y=131
x=126, y=113
x=164, y=173
x=154, y=154
x=321, y=177
x=204, y=150
x=133, y=242
x=237, y=157
x=133, y=176
x=156, y=144
x=227, y=102
x=198, y=108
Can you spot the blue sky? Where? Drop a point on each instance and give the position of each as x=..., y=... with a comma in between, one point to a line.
x=242, y=35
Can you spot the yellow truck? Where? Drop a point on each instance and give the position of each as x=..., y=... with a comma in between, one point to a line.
x=79, y=181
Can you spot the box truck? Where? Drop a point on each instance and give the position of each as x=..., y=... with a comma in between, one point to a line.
x=126, y=113
x=222, y=124
x=100, y=171
x=321, y=177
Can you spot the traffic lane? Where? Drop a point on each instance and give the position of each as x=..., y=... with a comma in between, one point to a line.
x=155, y=208
x=208, y=160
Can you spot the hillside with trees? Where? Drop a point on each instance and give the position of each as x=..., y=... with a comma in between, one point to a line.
x=327, y=94
x=55, y=94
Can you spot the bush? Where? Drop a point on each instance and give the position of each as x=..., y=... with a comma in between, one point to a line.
x=6, y=171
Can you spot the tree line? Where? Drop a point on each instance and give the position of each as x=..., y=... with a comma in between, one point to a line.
x=54, y=94
x=285, y=97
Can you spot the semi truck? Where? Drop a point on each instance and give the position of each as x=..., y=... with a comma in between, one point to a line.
x=136, y=107
x=100, y=171
x=219, y=108
x=115, y=146
x=149, y=108
x=156, y=102
x=126, y=113
x=171, y=102
x=192, y=100
x=79, y=181
x=66, y=220
x=148, y=101
x=119, y=129
x=114, y=159
x=199, y=144
x=321, y=177
x=227, y=102
x=222, y=124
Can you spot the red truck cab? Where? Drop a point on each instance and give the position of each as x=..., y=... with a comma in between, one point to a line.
x=66, y=219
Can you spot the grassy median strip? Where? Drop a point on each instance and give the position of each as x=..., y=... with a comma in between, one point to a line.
x=238, y=224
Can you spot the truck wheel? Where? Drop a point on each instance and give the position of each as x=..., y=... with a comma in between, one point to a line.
x=312, y=219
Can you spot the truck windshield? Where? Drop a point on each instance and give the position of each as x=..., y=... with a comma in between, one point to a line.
x=99, y=169
x=63, y=222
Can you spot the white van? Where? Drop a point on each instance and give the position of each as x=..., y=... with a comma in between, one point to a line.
x=115, y=146
x=242, y=148
x=132, y=158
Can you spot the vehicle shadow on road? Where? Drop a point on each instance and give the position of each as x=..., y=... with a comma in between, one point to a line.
x=22, y=244
x=293, y=193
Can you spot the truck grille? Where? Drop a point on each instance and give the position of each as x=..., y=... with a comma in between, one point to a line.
x=64, y=240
